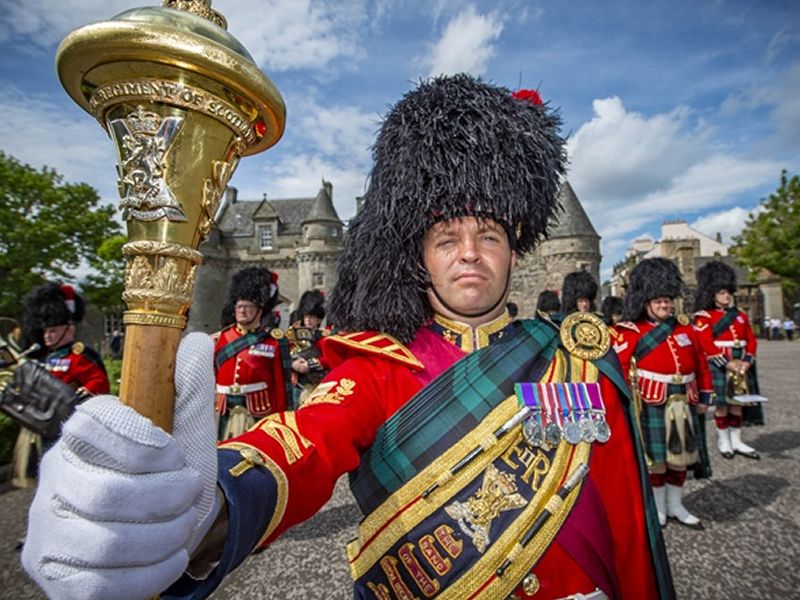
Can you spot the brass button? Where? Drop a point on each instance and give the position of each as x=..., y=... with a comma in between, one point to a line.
x=530, y=585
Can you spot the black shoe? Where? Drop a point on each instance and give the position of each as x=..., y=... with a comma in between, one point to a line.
x=754, y=455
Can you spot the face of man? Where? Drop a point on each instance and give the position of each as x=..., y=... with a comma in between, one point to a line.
x=723, y=298
x=311, y=321
x=659, y=309
x=247, y=314
x=584, y=304
x=469, y=262
x=58, y=335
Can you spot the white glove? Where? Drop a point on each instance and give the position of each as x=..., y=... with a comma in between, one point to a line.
x=121, y=504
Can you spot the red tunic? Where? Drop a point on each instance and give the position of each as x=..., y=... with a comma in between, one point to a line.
x=679, y=359
x=373, y=376
x=738, y=334
x=255, y=372
x=79, y=366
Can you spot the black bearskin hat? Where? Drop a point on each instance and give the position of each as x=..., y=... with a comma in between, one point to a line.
x=312, y=302
x=53, y=304
x=612, y=305
x=50, y=305
x=259, y=285
x=711, y=278
x=651, y=278
x=454, y=146
x=548, y=302
x=578, y=284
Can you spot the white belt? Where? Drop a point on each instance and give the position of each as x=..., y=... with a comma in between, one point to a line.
x=239, y=389
x=677, y=378
x=730, y=344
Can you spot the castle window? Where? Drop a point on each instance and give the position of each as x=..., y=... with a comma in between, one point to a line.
x=318, y=280
x=265, y=237
x=334, y=232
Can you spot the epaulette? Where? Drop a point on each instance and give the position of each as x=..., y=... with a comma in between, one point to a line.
x=375, y=343
x=276, y=333
x=683, y=319
x=628, y=325
x=78, y=348
x=702, y=313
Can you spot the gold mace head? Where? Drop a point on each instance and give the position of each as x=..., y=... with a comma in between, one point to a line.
x=182, y=100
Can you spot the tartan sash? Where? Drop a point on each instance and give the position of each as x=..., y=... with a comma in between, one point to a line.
x=653, y=338
x=720, y=326
x=451, y=406
x=231, y=349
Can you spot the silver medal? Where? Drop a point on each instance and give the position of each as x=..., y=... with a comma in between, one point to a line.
x=603, y=431
x=533, y=433
x=552, y=435
x=588, y=432
x=572, y=432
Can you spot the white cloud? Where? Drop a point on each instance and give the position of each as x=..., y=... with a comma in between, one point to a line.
x=728, y=223
x=466, y=44
x=45, y=22
x=786, y=112
x=296, y=34
x=633, y=171
x=37, y=131
x=781, y=41
x=280, y=34
x=621, y=155
x=300, y=175
x=335, y=131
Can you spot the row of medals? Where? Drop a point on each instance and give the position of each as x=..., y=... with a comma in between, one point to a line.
x=586, y=428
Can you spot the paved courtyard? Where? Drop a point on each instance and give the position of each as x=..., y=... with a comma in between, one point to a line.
x=749, y=549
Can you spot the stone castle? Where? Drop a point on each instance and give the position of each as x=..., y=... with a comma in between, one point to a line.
x=301, y=240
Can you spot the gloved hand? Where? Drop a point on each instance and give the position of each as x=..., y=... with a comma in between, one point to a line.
x=121, y=504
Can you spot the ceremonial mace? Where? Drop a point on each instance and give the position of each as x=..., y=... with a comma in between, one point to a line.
x=182, y=100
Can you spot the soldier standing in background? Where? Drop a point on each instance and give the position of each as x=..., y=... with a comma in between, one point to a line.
x=304, y=335
x=668, y=373
x=250, y=358
x=547, y=304
x=579, y=293
x=730, y=347
x=611, y=308
x=52, y=312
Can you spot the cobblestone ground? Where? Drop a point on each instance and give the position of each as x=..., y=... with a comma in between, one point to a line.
x=749, y=549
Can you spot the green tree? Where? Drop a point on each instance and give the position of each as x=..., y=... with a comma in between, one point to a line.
x=771, y=237
x=105, y=285
x=46, y=228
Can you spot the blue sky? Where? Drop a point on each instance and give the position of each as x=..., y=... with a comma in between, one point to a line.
x=674, y=109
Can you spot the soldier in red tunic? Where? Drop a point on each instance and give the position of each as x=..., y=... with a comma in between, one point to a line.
x=730, y=346
x=51, y=313
x=491, y=459
x=667, y=370
x=250, y=357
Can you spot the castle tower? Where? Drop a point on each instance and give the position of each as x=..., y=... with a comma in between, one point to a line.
x=573, y=245
x=321, y=243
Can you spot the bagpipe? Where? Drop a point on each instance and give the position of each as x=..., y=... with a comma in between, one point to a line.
x=29, y=394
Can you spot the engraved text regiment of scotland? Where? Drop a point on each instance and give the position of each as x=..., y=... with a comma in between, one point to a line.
x=175, y=94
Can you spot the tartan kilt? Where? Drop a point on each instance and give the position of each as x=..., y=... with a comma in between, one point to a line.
x=654, y=431
x=752, y=415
